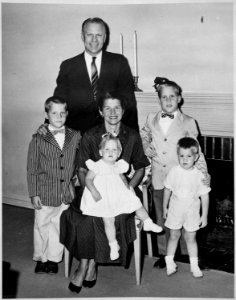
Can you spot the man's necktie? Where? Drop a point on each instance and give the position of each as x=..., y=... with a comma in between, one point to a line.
x=171, y=116
x=94, y=77
x=54, y=132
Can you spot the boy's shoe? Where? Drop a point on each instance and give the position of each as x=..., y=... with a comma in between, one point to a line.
x=171, y=268
x=52, y=267
x=41, y=267
x=197, y=273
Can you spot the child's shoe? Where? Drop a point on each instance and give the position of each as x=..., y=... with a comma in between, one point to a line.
x=171, y=266
x=149, y=225
x=41, y=267
x=114, y=252
x=52, y=267
x=194, y=268
x=197, y=273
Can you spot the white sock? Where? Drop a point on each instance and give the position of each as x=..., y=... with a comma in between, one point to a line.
x=194, y=268
x=169, y=259
x=114, y=252
x=193, y=262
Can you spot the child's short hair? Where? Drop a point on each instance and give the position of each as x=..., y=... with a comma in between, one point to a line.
x=161, y=82
x=188, y=143
x=54, y=99
x=109, y=137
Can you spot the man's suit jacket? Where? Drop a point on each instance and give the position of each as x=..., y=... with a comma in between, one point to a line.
x=74, y=85
x=166, y=144
x=50, y=169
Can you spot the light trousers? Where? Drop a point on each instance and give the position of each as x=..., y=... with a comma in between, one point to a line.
x=47, y=232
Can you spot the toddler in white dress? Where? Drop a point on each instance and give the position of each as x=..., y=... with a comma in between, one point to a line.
x=107, y=193
x=184, y=196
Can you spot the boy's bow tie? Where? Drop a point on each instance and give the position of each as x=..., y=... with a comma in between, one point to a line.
x=54, y=132
x=171, y=116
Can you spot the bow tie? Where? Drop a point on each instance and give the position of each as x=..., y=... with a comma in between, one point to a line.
x=54, y=132
x=171, y=116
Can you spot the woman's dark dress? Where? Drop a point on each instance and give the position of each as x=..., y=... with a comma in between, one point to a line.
x=83, y=235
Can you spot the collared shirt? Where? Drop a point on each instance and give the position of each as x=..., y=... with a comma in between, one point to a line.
x=166, y=122
x=132, y=149
x=98, y=61
x=59, y=137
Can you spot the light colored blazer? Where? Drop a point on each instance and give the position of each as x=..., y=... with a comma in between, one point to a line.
x=166, y=144
x=50, y=169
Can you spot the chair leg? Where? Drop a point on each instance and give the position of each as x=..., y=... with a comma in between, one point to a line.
x=67, y=262
x=148, y=235
x=137, y=256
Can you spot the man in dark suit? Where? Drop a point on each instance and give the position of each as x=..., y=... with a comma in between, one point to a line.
x=75, y=79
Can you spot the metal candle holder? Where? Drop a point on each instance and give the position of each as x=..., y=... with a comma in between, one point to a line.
x=136, y=88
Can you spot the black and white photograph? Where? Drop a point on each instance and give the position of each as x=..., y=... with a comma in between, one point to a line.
x=117, y=138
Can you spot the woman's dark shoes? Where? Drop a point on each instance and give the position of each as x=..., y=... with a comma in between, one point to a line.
x=89, y=284
x=41, y=267
x=74, y=288
x=160, y=263
x=52, y=267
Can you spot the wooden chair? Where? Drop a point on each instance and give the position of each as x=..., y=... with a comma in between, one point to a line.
x=137, y=243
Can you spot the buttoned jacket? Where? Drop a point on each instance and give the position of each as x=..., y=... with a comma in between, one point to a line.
x=50, y=168
x=166, y=144
x=74, y=85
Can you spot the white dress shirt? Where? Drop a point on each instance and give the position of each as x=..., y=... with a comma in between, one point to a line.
x=60, y=137
x=98, y=61
x=166, y=122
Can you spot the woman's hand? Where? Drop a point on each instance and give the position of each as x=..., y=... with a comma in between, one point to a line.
x=37, y=204
x=165, y=211
x=96, y=195
x=203, y=222
x=150, y=151
x=207, y=179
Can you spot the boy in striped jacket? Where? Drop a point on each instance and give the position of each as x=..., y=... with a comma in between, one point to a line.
x=50, y=168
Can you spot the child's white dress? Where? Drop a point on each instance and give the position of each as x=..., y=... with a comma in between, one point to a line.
x=184, y=204
x=116, y=197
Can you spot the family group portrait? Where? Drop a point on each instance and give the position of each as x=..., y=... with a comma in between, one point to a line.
x=118, y=149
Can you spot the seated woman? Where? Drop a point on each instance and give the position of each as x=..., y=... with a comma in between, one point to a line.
x=84, y=236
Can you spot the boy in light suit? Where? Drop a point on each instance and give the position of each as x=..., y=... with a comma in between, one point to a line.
x=160, y=135
x=50, y=168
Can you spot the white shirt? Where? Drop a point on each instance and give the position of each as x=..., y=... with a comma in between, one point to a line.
x=59, y=137
x=166, y=122
x=98, y=61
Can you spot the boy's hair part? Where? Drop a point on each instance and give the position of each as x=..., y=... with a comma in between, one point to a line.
x=56, y=100
x=188, y=143
x=110, y=137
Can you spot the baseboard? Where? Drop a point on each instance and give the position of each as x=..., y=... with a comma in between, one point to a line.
x=17, y=200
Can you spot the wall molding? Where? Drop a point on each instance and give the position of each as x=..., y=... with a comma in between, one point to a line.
x=214, y=112
x=17, y=200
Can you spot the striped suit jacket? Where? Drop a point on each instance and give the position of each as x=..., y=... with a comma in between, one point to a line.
x=50, y=169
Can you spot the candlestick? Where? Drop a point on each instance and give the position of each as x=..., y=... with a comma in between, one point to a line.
x=135, y=55
x=121, y=44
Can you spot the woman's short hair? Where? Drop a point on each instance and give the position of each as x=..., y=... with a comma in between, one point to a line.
x=54, y=99
x=188, y=143
x=111, y=95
